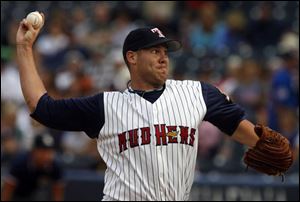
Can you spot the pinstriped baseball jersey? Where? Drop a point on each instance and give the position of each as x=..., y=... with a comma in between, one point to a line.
x=150, y=149
x=148, y=140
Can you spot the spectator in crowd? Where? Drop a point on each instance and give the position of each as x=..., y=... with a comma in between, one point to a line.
x=249, y=91
x=10, y=84
x=234, y=32
x=208, y=146
x=284, y=88
x=11, y=134
x=208, y=30
x=100, y=26
x=263, y=30
x=32, y=171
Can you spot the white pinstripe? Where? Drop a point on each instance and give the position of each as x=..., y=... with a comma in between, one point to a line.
x=151, y=171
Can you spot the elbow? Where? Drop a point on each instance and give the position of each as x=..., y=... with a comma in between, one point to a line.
x=32, y=101
x=32, y=104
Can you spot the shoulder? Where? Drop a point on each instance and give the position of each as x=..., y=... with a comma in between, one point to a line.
x=198, y=86
x=190, y=86
x=112, y=94
x=116, y=96
x=189, y=83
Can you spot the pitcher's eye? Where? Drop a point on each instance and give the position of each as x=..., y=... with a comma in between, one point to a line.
x=154, y=51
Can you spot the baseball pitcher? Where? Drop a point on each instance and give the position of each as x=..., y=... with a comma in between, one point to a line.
x=148, y=134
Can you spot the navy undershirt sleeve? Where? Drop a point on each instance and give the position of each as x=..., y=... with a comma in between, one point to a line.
x=73, y=114
x=221, y=111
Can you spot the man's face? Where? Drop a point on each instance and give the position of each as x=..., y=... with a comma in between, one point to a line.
x=153, y=65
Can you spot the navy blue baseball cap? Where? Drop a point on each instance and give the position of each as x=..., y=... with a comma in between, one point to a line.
x=148, y=37
x=44, y=140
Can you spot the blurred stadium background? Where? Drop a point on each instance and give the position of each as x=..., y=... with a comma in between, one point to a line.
x=239, y=46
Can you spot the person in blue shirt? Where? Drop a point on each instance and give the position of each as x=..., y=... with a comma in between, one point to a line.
x=284, y=90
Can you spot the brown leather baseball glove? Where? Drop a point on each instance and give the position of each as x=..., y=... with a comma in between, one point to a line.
x=272, y=153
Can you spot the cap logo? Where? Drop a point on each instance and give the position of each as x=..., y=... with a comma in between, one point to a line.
x=156, y=30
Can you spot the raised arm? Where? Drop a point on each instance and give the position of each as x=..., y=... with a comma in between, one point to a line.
x=72, y=114
x=31, y=83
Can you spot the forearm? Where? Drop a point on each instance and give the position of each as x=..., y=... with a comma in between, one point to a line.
x=31, y=83
x=245, y=134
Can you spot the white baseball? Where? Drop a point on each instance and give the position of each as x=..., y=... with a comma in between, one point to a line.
x=35, y=19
